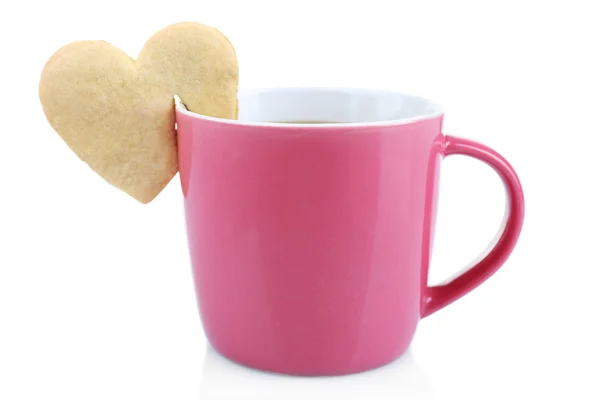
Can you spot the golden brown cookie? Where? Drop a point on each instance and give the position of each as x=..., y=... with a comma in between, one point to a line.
x=117, y=114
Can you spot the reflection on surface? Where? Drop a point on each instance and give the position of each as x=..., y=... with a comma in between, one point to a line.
x=223, y=379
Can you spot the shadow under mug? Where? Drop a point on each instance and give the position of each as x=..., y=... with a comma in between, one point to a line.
x=223, y=379
x=310, y=243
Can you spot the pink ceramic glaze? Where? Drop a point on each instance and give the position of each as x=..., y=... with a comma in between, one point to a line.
x=310, y=244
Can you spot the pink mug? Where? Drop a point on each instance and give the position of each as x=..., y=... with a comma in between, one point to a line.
x=310, y=243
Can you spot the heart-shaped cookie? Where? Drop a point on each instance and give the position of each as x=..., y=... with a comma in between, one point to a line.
x=117, y=114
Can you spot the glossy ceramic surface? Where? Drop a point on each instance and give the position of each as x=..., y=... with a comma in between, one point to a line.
x=310, y=244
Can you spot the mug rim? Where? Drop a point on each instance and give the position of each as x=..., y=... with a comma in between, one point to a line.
x=436, y=109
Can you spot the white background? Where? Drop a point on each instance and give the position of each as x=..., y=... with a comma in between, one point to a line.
x=96, y=296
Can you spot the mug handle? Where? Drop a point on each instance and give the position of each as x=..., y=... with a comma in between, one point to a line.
x=437, y=297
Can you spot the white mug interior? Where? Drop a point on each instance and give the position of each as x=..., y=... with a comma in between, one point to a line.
x=349, y=106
